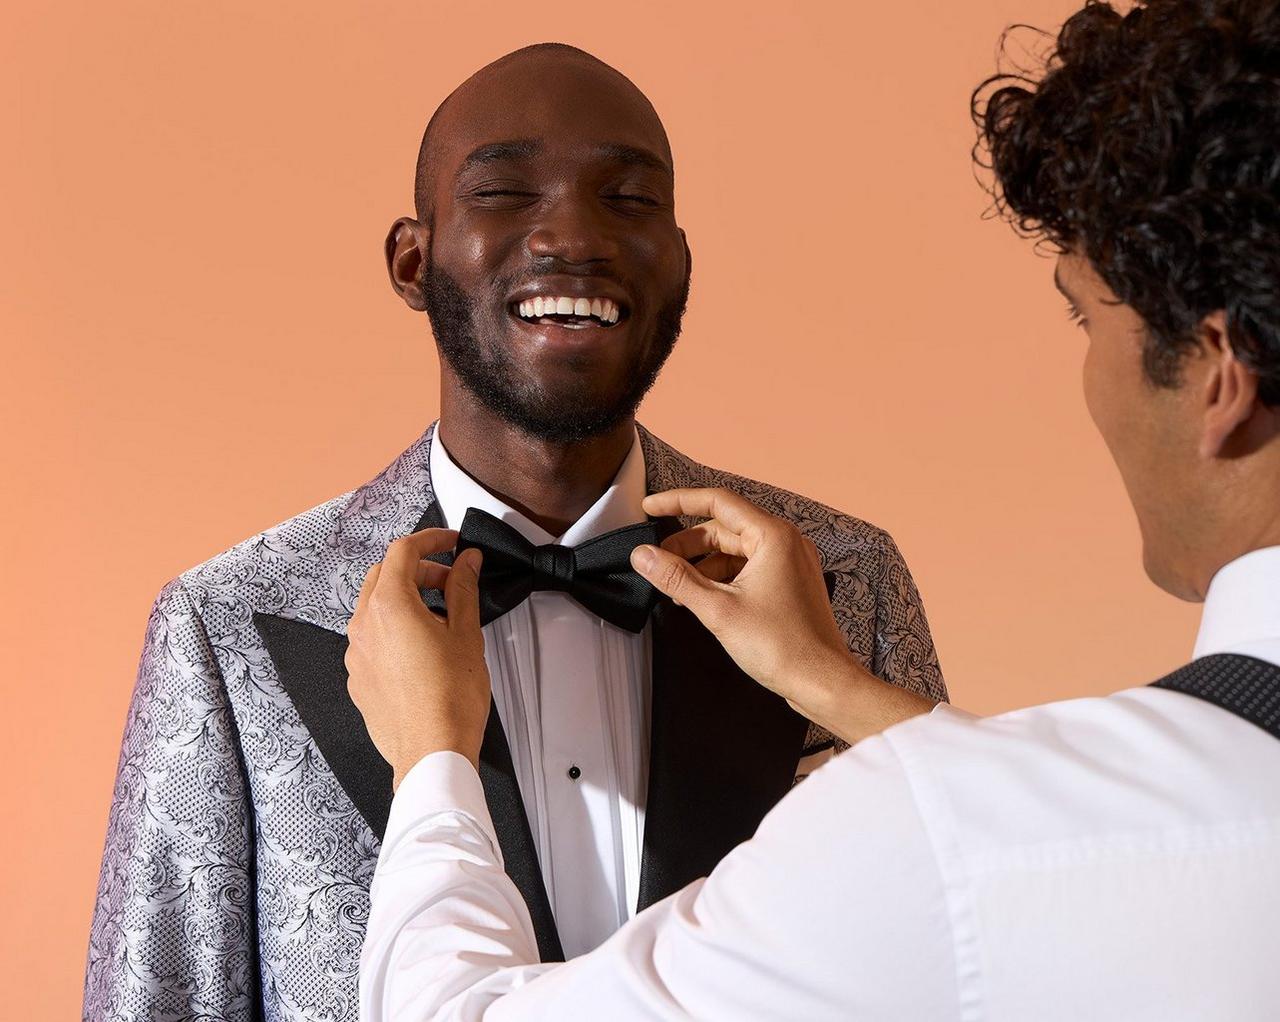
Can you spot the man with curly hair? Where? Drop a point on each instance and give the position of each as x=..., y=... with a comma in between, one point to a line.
x=1109, y=858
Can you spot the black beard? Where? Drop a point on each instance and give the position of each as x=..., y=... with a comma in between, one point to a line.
x=493, y=380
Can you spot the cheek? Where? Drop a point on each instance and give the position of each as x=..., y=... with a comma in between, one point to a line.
x=660, y=256
x=1106, y=395
x=472, y=249
x=1093, y=379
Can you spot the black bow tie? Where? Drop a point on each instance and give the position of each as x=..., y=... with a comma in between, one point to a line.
x=597, y=573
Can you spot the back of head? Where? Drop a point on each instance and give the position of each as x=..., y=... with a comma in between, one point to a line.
x=1150, y=143
x=1144, y=151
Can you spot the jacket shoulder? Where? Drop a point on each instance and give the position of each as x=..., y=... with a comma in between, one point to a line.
x=842, y=539
x=311, y=566
x=874, y=598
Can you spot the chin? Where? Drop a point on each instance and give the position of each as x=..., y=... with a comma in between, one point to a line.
x=564, y=417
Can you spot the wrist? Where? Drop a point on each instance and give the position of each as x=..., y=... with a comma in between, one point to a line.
x=840, y=681
x=857, y=703
x=816, y=685
x=467, y=747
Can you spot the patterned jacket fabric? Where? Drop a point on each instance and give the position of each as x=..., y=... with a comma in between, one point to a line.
x=234, y=881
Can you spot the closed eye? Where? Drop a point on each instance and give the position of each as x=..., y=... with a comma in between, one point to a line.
x=644, y=200
x=501, y=200
x=1075, y=315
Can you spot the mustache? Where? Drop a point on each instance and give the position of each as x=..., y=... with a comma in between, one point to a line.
x=552, y=266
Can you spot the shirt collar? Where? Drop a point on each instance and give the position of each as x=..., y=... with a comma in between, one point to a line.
x=619, y=505
x=1243, y=603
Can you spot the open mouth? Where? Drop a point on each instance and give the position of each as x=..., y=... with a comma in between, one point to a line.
x=574, y=313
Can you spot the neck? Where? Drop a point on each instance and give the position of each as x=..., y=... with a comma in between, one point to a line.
x=1253, y=523
x=551, y=483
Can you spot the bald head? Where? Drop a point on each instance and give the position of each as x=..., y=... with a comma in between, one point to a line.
x=527, y=87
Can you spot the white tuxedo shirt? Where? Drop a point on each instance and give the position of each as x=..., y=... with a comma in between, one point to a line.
x=1106, y=858
x=572, y=692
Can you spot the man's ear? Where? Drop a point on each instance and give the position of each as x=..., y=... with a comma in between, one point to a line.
x=407, y=245
x=688, y=255
x=1229, y=390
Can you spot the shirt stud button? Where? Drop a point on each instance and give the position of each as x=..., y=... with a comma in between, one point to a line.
x=574, y=773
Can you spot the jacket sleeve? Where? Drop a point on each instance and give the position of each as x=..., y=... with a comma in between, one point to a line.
x=903, y=650
x=878, y=609
x=173, y=933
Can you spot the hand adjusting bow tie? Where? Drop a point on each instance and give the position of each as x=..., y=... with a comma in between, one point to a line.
x=597, y=573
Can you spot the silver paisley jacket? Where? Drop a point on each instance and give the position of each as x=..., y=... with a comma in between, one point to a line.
x=234, y=881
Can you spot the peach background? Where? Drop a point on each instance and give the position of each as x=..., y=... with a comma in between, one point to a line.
x=200, y=340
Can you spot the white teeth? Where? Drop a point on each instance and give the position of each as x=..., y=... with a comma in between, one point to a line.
x=603, y=309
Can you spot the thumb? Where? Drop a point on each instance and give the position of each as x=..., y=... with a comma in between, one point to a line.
x=462, y=591
x=675, y=577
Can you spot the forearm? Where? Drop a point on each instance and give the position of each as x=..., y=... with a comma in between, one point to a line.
x=842, y=696
x=448, y=933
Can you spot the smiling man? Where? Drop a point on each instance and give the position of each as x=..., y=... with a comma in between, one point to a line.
x=626, y=753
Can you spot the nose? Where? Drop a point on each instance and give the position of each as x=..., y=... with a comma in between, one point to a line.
x=572, y=231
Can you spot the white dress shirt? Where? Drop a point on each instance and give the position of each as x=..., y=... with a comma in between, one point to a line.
x=572, y=692
x=1105, y=858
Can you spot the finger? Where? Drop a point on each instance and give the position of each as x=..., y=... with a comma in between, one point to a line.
x=721, y=567
x=705, y=538
x=370, y=580
x=677, y=578
x=462, y=591
x=400, y=567
x=732, y=510
x=431, y=575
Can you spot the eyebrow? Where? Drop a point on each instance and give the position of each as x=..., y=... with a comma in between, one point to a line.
x=495, y=152
x=635, y=156
x=524, y=148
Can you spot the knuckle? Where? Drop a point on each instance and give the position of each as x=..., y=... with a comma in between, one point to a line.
x=788, y=533
x=466, y=583
x=674, y=579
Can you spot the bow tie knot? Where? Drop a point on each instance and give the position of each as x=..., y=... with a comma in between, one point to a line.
x=597, y=573
x=554, y=567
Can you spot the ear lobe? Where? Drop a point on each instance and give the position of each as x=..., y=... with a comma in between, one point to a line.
x=406, y=247
x=688, y=255
x=1230, y=390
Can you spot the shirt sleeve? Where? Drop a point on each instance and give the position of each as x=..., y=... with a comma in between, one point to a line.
x=834, y=910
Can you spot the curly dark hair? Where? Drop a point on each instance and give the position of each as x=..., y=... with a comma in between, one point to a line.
x=1149, y=142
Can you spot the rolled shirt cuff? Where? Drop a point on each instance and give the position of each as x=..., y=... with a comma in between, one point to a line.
x=438, y=784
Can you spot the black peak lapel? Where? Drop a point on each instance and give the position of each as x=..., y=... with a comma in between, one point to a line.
x=309, y=661
x=723, y=752
x=519, y=856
